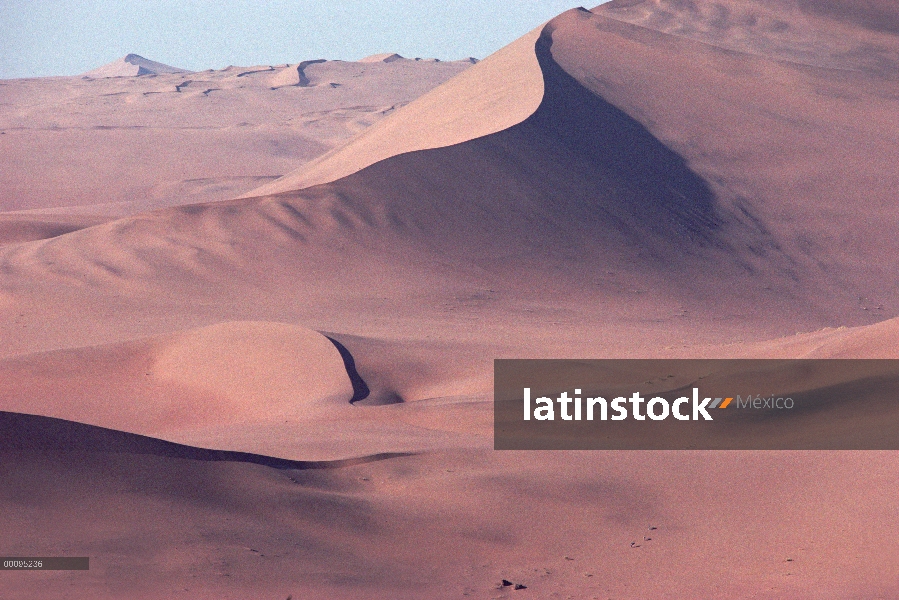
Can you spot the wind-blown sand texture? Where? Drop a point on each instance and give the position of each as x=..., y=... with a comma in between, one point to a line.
x=289, y=393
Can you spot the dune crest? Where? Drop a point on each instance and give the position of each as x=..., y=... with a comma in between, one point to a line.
x=880, y=340
x=190, y=387
x=385, y=57
x=286, y=366
x=132, y=65
x=494, y=94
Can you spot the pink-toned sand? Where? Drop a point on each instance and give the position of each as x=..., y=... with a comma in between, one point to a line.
x=645, y=179
x=111, y=144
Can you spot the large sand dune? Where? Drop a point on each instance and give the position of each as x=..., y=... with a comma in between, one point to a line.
x=647, y=179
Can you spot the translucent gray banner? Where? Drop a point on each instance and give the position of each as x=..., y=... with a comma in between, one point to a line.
x=682, y=404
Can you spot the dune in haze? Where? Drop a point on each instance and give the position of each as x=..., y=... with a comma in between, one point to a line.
x=140, y=143
x=289, y=392
x=132, y=65
x=384, y=57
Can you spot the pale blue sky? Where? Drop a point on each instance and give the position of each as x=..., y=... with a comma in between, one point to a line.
x=54, y=37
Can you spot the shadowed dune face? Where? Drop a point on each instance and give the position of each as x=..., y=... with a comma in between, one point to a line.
x=158, y=525
x=803, y=152
x=654, y=168
x=644, y=181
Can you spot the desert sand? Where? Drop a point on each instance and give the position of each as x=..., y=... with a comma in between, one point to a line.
x=223, y=132
x=268, y=374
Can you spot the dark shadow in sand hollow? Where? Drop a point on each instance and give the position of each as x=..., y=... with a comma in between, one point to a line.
x=28, y=434
x=360, y=388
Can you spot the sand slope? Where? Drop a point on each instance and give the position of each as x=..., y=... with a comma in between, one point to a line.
x=498, y=93
x=178, y=387
x=823, y=34
x=180, y=137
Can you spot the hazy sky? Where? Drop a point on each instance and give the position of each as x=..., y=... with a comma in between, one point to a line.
x=52, y=37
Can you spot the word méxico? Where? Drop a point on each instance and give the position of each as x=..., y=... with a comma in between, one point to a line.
x=656, y=409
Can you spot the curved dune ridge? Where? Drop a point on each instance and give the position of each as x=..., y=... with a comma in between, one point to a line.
x=629, y=185
x=494, y=94
x=187, y=386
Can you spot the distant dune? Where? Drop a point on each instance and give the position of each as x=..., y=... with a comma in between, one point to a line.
x=386, y=57
x=139, y=143
x=132, y=65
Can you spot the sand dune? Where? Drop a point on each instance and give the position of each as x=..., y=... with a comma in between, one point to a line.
x=173, y=387
x=260, y=388
x=293, y=77
x=132, y=65
x=740, y=522
x=499, y=92
x=602, y=189
x=790, y=252
x=385, y=57
x=868, y=341
x=654, y=179
x=240, y=126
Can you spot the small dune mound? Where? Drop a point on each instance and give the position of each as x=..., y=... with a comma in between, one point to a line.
x=221, y=386
x=261, y=368
x=382, y=58
x=286, y=77
x=132, y=65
